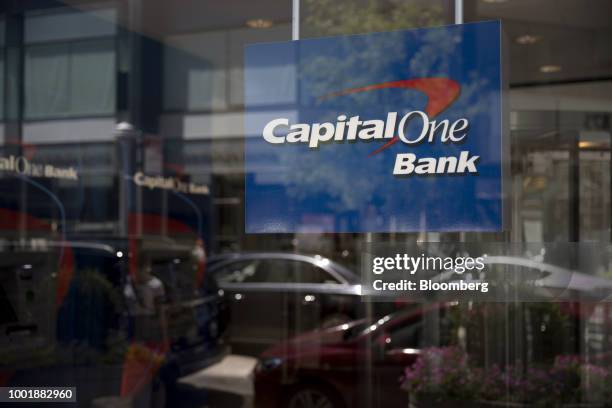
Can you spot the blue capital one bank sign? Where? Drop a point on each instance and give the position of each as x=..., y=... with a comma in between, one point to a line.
x=385, y=132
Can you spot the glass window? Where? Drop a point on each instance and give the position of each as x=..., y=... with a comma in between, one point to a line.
x=62, y=25
x=109, y=267
x=259, y=271
x=195, y=72
x=292, y=271
x=70, y=63
x=237, y=272
x=274, y=271
x=559, y=95
x=70, y=79
x=306, y=272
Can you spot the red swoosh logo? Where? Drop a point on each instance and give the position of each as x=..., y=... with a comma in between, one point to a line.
x=441, y=93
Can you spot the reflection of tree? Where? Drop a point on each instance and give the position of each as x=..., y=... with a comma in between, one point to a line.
x=338, y=17
x=342, y=17
x=87, y=322
x=318, y=173
x=326, y=71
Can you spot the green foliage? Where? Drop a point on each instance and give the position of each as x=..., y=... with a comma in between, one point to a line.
x=338, y=17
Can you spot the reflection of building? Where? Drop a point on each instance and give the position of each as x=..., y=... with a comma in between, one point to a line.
x=73, y=70
x=76, y=70
x=77, y=73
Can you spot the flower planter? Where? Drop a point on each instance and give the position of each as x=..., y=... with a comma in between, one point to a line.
x=443, y=377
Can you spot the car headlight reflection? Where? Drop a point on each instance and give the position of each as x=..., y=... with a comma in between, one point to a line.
x=268, y=364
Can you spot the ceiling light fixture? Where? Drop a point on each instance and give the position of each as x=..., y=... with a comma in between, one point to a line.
x=259, y=23
x=587, y=144
x=549, y=69
x=494, y=1
x=527, y=39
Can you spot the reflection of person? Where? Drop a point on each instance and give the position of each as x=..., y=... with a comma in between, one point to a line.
x=199, y=255
x=149, y=345
x=146, y=291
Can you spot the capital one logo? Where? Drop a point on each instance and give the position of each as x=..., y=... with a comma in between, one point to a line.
x=440, y=92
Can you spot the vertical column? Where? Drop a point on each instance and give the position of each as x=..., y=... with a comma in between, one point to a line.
x=139, y=69
x=139, y=82
x=574, y=229
x=295, y=20
x=133, y=53
x=13, y=81
x=13, y=101
x=127, y=164
x=458, y=11
x=574, y=188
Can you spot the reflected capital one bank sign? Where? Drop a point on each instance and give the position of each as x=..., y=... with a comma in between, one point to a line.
x=387, y=132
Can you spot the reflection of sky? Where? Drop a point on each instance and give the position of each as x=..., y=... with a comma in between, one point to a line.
x=340, y=178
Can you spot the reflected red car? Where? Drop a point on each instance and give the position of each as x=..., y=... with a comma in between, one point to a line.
x=361, y=364
x=351, y=365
